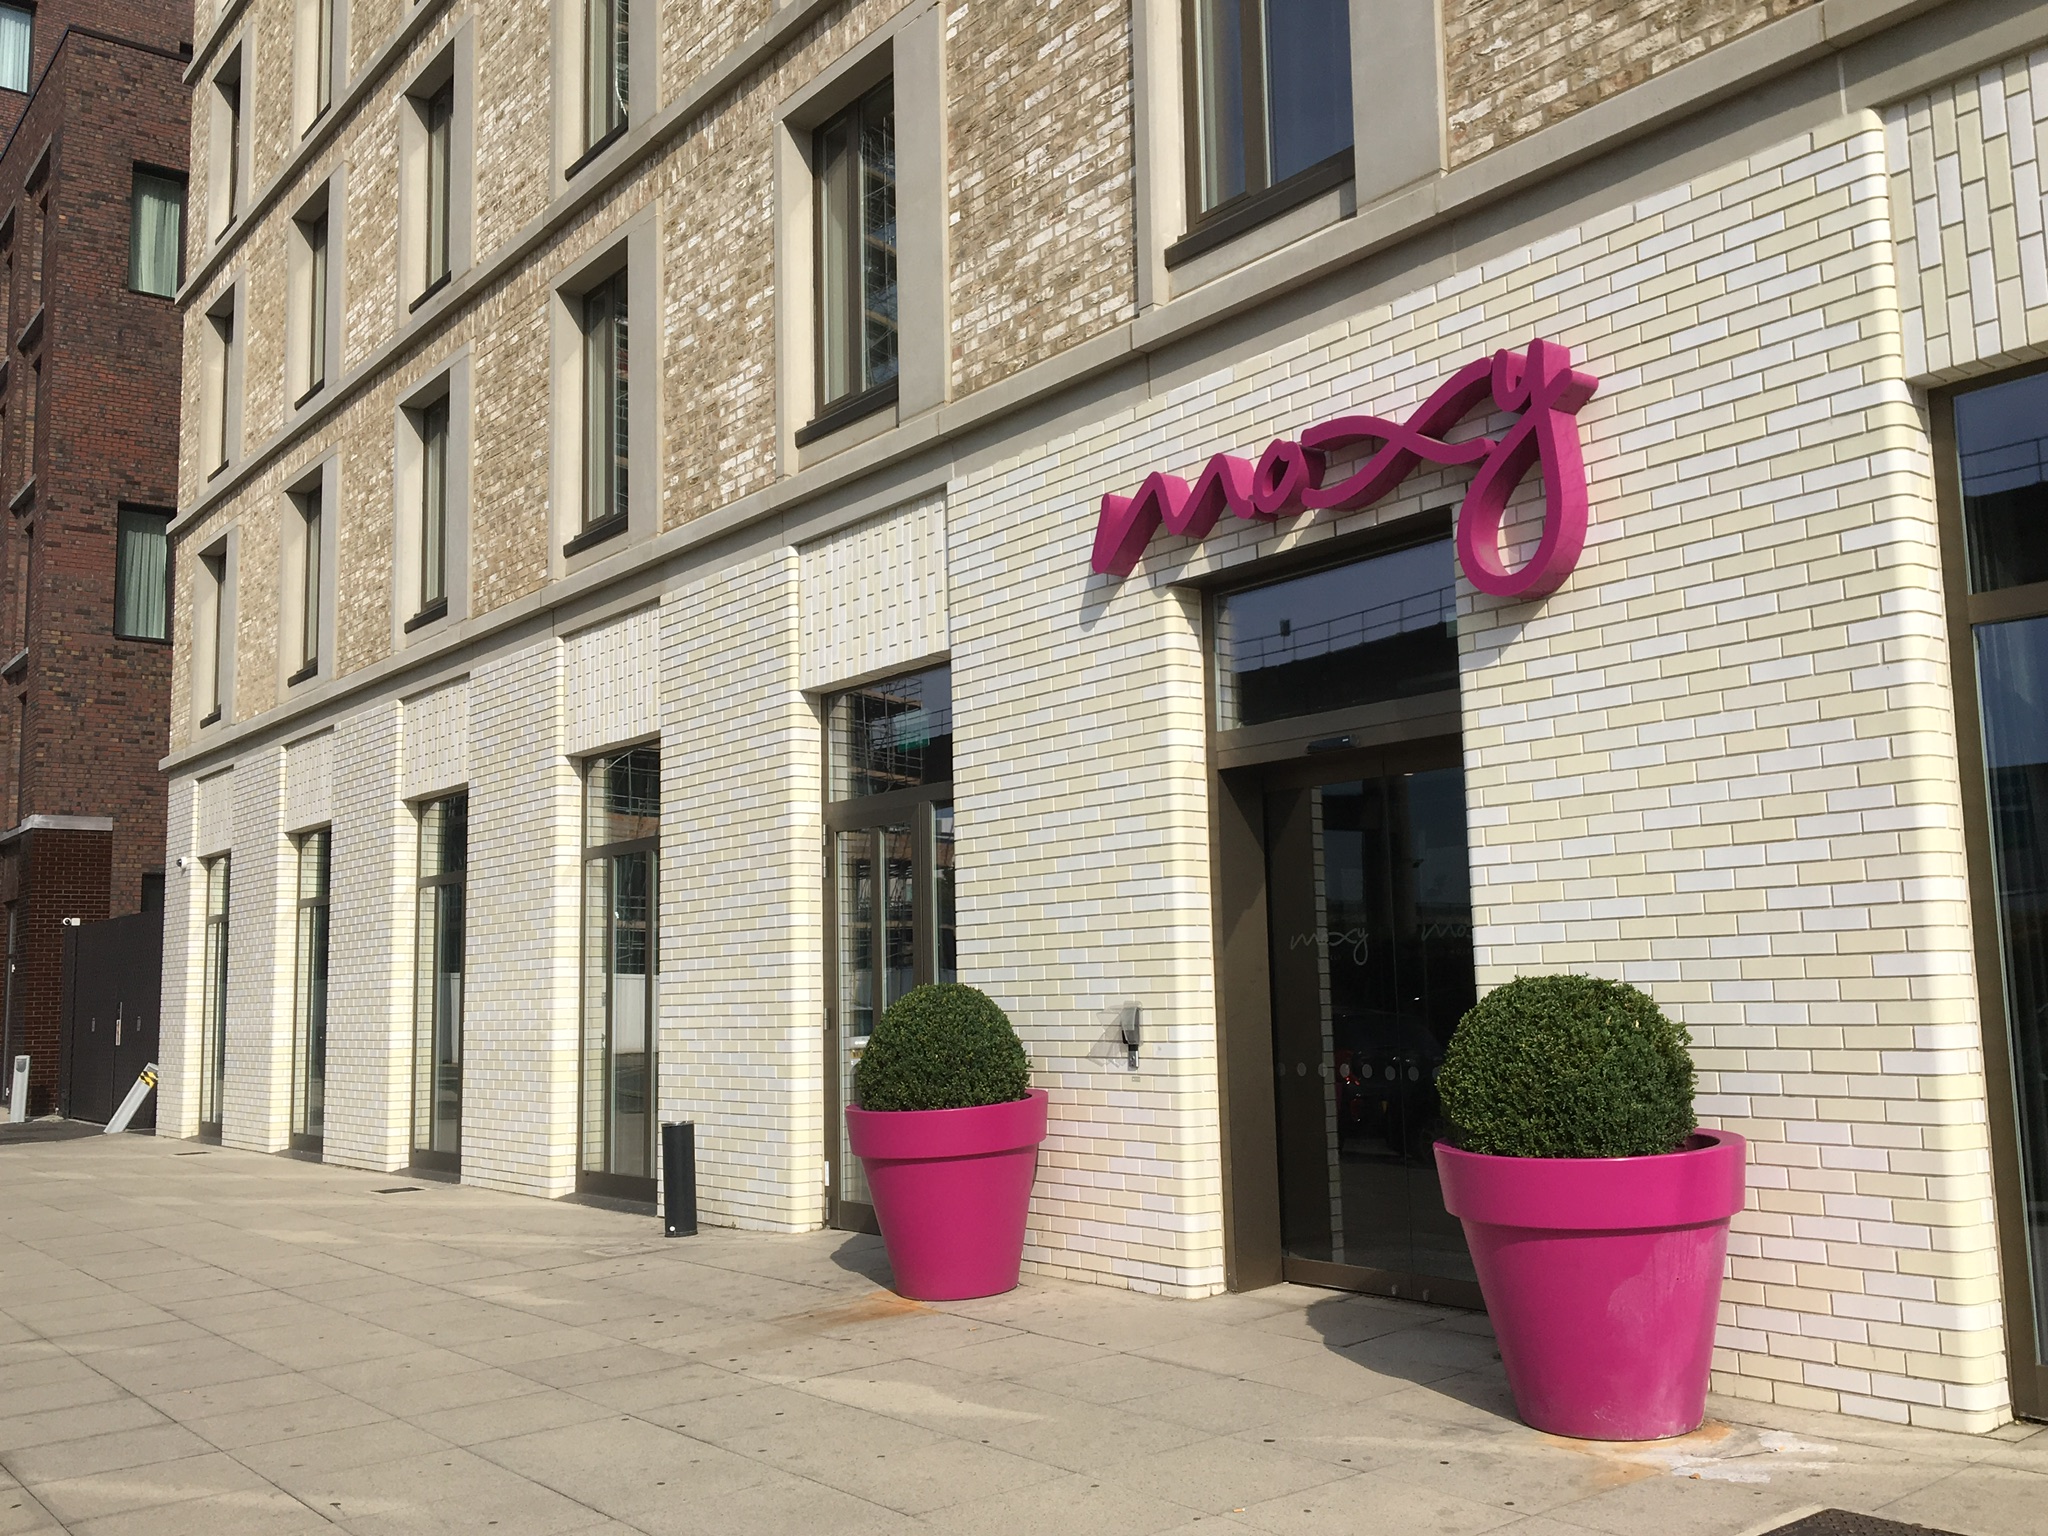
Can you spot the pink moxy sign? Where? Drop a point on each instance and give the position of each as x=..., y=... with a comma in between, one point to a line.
x=1540, y=383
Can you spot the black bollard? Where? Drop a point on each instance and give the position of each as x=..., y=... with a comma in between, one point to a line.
x=679, y=1179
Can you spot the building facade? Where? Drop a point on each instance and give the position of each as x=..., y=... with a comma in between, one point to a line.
x=1231, y=528
x=93, y=106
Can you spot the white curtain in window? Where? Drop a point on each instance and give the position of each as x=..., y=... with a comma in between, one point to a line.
x=140, y=588
x=15, y=27
x=154, y=232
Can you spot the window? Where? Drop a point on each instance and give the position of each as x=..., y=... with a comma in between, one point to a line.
x=310, y=547
x=622, y=838
x=855, y=160
x=437, y=114
x=434, y=506
x=606, y=68
x=211, y=658
x=156, y=233
x=218, y=425
x=1357, y=634
x=1271, y=86
x=213, y=1015
x=323, y=56
x=142, y=568
x=437, y=1005
x=605, y=437
x=889, y=748
x=17, y=31
x=309, y=995
x=228, y=129
x=313, y=299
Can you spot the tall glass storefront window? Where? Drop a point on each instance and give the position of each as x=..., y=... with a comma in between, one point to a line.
x=2001, y=441
x=890, y=886
x=621, y=857
x=213, y=1017
x=309, y=996
x=437, y=1002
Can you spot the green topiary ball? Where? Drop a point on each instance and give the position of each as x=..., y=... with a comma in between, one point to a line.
x=1568, y=1066
x=942, y=1047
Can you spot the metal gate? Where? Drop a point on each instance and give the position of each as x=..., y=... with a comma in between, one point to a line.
x=113, y=971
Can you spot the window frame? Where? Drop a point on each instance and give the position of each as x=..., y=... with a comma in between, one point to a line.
x=427, y=885
x=605, y=322
x=610, y=81
x=604, y=1181
x=847, y=277
x=124, y=510
x=216, y=935
x=142, y=171
x=304, y=1139
x=28, y=80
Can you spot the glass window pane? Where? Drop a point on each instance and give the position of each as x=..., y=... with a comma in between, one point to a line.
x=1219, y=89
x=434, y=503
x=858, y=994
x=310, y=1034
x=316, y=302
x=1308, y=82
x=899, y=916
x=213, y=1040
x=894, y=734
x=838, y=364
x=440, y=112
x=16, y=29
x=2000, y=434
x=605, y=368
x=607, y=78
x=631, y=979
x=878, y=237
x=155, y=234
x=1378, y=629
x=141, y=575
x=2012, y=670
x=309, y=595
x=947, y=968
x=623, y=797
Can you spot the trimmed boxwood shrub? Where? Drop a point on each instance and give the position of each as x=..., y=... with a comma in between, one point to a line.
x=946, y=1046
x=1568, y=1066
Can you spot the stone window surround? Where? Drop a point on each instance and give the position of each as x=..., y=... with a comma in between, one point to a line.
x=221, y=382
x=213, y=631
x=450, y=381
x=227, y=196
x=306, y=106
x=327, y=200
x=323, y=477
x=454, y=64
x=643, y=91
x=634, y=247
x=911, y=47
x=1398, y=137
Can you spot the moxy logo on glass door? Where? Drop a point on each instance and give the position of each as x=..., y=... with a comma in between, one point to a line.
x=1540, y=383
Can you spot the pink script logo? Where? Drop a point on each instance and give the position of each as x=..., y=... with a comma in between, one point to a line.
x=1288, y=478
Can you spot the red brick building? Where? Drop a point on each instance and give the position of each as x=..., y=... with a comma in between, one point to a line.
x=93, y=109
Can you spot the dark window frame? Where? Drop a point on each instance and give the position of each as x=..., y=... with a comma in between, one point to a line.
x=604, y=323
x=164, y=515
x=425, y=1031
x=29, y=68
x=140, y=171
x=605, y=1182
x=607, y=74
x=837, y=177
x=302, y=1138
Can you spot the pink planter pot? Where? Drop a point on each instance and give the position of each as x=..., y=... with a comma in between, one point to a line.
x=1603, y=1279
x=952, y=1188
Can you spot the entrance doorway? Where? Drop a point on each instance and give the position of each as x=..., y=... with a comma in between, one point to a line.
x=113, y=972
x=1344, y=920
x=888, y=884
x=1369, y=945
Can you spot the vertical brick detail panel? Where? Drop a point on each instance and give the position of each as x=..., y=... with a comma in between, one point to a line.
x=741, y=909
x=519, y=1002
x=372, y=862
x=610, y=679
x=874, y=595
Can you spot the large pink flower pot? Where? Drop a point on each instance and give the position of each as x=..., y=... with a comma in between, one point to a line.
x=1603, y=1278
x=952, y=1188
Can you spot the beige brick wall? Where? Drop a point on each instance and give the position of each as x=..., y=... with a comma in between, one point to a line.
x=1514, y=66
x=1043, y=220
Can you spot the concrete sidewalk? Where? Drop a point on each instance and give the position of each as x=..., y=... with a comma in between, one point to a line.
x=197, y=1340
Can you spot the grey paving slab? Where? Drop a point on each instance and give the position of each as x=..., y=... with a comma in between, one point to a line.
x=229, y=1343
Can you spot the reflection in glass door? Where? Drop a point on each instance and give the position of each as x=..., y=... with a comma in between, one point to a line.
x=622, y=828
x=309, y=1033
x=213, y=1019
x=889, y=887
x=1370, y=940
x=437, y=1005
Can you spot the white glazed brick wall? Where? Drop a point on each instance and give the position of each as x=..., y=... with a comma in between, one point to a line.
x=520, y=974
x=612, y=682
x=372, y=862
x=216, y=828
x=256, y=1104
x=1719, y=762
x=437, y=740
x=742, y=1006
x=307, y=796
x=874, y=595
x=1967, y=217
x=177, y=1088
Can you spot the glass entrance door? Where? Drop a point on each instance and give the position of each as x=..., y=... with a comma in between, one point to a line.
x=1369, y=915
x=437, y=1003
x=889, y=884
x=622, y=831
